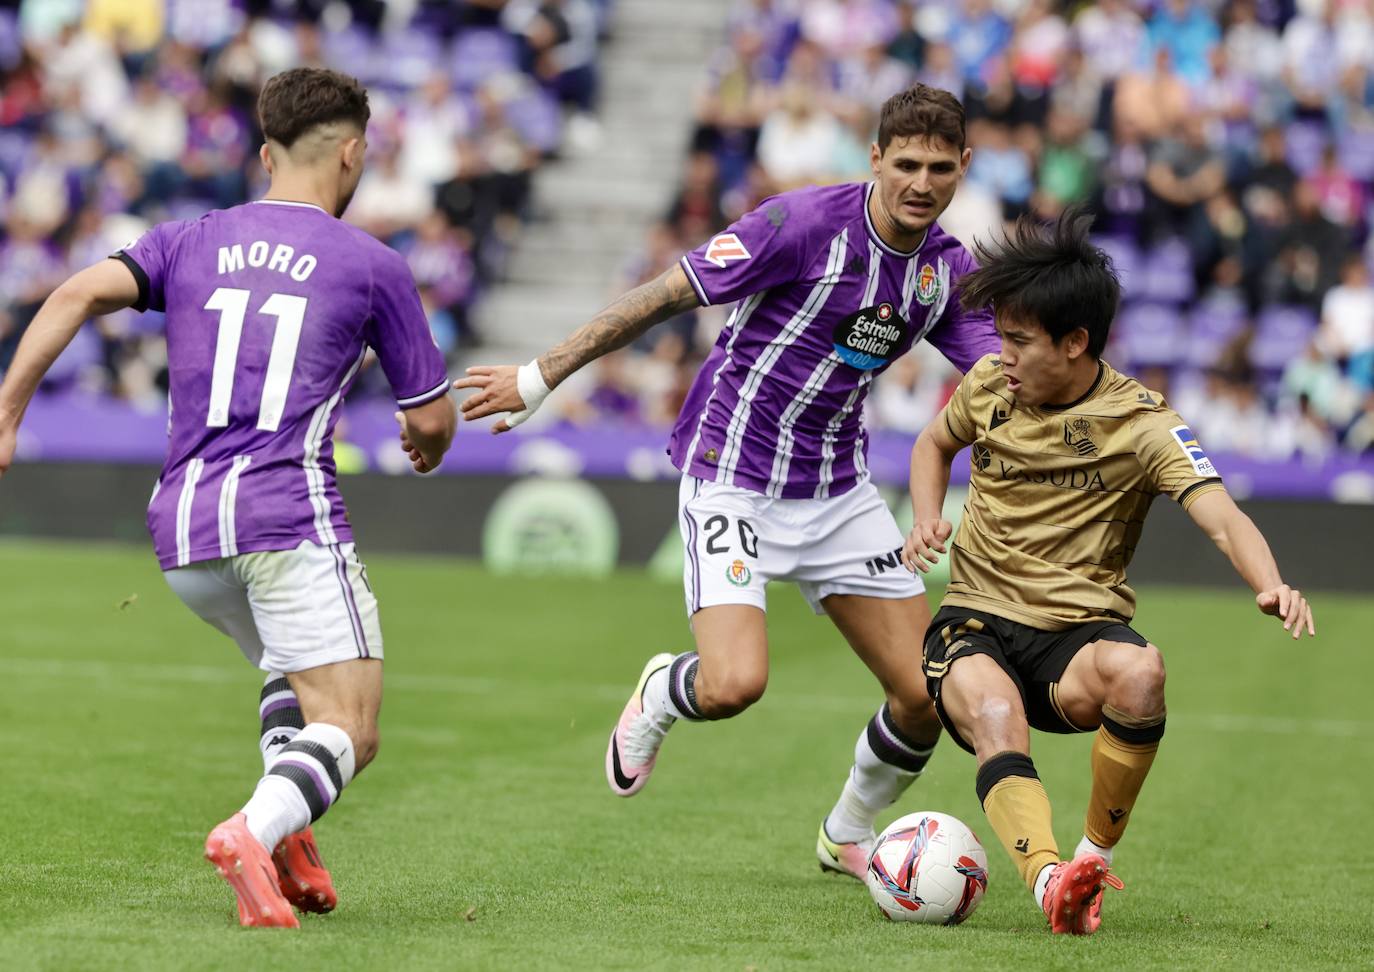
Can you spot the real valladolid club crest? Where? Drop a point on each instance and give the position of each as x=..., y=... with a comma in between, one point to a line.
x=927, y=285
x=738, y=574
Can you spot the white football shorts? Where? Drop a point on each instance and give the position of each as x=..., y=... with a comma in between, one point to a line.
x=738, y=540
x=289, y=610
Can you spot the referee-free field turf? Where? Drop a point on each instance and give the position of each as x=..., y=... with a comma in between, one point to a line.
x=485, y=837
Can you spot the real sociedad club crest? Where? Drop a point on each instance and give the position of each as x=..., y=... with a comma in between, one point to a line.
x=871, y=338
x=927, y=286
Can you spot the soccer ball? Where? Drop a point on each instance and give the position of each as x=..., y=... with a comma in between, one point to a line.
x=927, y=867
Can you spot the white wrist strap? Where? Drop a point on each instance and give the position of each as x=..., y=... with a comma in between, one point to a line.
x=529, y=382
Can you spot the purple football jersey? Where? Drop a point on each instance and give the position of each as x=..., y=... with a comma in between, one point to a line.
x=271, y=307
x=824, y=306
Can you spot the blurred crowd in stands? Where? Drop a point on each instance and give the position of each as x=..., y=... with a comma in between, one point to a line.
x=1227, y=147
x=116, y=114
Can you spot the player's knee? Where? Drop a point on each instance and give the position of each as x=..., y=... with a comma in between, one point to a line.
x=993, y=711
x=1135, y=678
x=724, y=697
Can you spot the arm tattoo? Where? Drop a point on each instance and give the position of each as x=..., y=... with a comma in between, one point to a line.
x=628, y=316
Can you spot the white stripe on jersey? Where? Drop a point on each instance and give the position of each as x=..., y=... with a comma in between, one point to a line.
x=738, y=318
x=403, y=402
x=157, y=488
x=228, y=503
x=832, y=430
x=814, y=303
x=314, y=439
x=188, y=493
x=782, y=458
x=909, y=287
x=875, y=266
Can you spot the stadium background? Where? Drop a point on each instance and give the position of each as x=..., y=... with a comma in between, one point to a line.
x=530, y=158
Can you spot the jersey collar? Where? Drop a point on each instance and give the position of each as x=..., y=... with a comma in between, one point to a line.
x=873, y=232
x=287, y=202
x=1092, y=390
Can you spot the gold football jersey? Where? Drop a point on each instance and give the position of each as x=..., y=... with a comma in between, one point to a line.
x=1058, y=495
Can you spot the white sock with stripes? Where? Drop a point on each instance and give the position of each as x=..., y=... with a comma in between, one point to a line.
x=886, y=762
x=304, y=781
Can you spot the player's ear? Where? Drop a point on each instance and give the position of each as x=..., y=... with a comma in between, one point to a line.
x=875, y=158
x=964, y=159
x=1076, y=342
x=265, y=154
x=352, y=152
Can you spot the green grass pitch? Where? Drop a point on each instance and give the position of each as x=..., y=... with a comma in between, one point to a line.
x=485, y=837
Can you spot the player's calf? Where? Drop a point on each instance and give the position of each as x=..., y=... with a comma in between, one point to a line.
x=722, y=696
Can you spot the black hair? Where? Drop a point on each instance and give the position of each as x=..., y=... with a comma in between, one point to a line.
x=1049, y=275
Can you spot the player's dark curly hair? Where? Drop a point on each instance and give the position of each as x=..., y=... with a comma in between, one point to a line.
x=921, y=111
x=295, y=101
x=1051, y=275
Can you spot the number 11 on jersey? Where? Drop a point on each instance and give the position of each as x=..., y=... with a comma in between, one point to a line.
x=232, y=304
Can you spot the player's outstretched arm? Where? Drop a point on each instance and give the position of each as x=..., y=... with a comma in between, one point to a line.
x=1236, y=535
x=101, y=289
x=935, y=449
x=520, y=390
x=427, y=432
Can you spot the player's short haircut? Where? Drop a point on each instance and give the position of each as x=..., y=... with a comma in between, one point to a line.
x=1051, y=275
x=296, y=101
x=923, y=112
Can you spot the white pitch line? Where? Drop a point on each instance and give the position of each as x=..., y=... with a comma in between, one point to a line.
x=115, y=672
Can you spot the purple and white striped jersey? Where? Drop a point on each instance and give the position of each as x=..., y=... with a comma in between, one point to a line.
x=271, y=307
x=824, y=306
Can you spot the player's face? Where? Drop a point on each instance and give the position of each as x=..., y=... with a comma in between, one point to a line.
x=917, y=177
x=1038, y=371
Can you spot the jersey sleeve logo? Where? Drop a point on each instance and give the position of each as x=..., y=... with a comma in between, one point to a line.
x=1193, y=450
x=724, y=248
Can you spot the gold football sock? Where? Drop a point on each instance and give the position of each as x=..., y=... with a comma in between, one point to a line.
x=1122, y=753
x=1019, y=810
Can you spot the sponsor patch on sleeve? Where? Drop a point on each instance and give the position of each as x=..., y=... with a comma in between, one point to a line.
x=724, y=248
x=1193, y=450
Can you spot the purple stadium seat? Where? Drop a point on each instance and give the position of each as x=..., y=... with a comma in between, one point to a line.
x=1211, y=327
x=1167, y=274
x=1305, y=142
x=354, y=51
x=1150, y=334
x=11, y=44
x=408, y=57
x=537, y=118
x=1282, y=334
x=1125, y=257
x=1356, y=153
x=14, y=149
x=478, y=55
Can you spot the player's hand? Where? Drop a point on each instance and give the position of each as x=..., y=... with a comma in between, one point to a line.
x=418, y=459
x=497, y=392
x=927, y=538
x=1289, y=604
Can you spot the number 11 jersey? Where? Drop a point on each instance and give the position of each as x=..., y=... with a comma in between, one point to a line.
x=271, y=307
